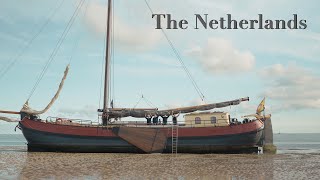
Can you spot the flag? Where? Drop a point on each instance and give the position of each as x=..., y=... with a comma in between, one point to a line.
x=261, y=106
x=111, y=104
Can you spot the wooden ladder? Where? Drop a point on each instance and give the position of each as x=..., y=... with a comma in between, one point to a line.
x=174, y=136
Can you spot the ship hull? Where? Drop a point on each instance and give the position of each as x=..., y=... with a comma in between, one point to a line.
x=57, y=138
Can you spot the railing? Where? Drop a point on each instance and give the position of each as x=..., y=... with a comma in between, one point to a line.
x=66, y=121
x=141, y=123
x=204, y=123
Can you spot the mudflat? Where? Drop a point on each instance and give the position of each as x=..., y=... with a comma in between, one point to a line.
x=15, y=163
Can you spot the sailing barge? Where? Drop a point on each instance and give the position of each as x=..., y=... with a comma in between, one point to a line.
x=196, y=135
x=201, y=132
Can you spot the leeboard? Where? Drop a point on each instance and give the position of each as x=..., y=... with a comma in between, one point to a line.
x=147, y=139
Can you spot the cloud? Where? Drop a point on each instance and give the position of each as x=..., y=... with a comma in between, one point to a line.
x=292, y=86
x=219, y=56
x=128, y=37
x=87, y=111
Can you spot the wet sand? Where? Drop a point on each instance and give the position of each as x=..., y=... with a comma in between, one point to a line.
x=16, y=163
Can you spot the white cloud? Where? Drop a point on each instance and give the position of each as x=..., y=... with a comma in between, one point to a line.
x=87, y=111
x=128, y=37
x=292, y=86
x=219, y=56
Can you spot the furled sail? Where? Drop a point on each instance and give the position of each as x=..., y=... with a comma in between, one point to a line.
x=8, y=119
x=28, y=110
x=141, y=113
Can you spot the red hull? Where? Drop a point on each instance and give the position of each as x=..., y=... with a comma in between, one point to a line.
x=43, y=136
x=104, y=132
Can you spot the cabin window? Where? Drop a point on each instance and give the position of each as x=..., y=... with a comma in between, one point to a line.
x=197, y=120
x=213, y=120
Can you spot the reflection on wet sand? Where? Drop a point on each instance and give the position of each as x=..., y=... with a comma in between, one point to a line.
x=24, y=165
x=142, y=166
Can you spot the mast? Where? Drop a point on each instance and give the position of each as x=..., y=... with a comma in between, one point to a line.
x=107, y=63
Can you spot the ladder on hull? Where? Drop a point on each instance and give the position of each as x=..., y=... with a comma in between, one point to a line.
x=174, y=138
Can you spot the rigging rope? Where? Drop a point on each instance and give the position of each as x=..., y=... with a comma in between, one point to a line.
x=149, y=103
x=5, y=69
x=76, y=44
x=138, y=102
x=28, y=110
x=180, y=59
x=57, y=47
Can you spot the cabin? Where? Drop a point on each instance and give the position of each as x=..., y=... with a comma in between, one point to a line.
x=207, y=119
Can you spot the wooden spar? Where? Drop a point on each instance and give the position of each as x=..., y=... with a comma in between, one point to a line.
x=200, y=106
x=107, y=65
x=146, y=109
x=142, y=113
x=9, y=112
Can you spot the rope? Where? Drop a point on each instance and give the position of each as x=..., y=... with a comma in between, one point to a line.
x=180, y=59
x=138, y=102
x=5, y=69
x=76, y=44
x=149, y=103
x=28, y=110
x=57, y=47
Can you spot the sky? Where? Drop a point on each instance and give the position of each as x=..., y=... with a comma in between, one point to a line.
x=281, y=65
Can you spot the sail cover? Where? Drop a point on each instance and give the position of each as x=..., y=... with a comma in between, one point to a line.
x=142, y=113
x=28, y=110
